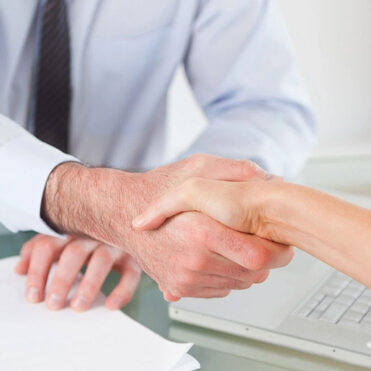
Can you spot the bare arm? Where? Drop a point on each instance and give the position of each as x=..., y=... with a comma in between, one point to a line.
x=328, y=228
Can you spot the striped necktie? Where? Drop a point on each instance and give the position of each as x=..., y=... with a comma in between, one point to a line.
x=53, y=79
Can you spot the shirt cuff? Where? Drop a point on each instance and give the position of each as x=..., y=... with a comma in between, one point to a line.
x=25, y=165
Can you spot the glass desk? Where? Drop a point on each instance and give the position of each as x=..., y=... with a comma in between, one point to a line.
x=214, y=350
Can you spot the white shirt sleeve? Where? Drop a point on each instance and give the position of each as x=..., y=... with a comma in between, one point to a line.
x=25, y=164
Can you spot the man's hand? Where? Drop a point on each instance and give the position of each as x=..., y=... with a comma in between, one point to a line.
x=191, y=255
x=39, y=254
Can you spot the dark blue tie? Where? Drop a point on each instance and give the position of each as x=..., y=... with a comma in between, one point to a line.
x=53, y=83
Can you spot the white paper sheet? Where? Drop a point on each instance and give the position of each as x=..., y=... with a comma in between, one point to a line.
x=34, y=338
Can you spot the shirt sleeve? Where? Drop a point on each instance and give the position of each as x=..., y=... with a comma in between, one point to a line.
x=241, y=66
x=25, y=164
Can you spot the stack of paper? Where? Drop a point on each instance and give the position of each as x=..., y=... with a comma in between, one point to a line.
x=33, y=338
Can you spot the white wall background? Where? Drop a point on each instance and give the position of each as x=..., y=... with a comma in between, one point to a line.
x=333, y=45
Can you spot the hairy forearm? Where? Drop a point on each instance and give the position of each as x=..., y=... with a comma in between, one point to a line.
x=326, y=227
x=96, y=202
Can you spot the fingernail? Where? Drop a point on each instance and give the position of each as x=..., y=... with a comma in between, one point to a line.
x=54, y=301
x=33, y=294
x=139, y=221
x=80, y=303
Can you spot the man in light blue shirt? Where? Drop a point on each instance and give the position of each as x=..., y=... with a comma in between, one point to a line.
x=238, y=60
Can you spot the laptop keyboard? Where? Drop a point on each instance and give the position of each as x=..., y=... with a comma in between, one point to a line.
x=340, y=300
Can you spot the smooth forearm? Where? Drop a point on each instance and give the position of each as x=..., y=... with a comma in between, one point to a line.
x=326, y=227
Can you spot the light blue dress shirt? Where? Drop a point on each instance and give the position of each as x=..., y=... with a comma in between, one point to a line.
x=238, y=59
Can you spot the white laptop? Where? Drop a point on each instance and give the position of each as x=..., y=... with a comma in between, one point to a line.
x=307, y=306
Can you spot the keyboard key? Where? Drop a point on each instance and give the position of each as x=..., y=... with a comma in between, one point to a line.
x=354, y=293
x=356, y=286
x=332, y=290
x=344, y=299
x=364, y=300
x=319, y=297
x=334, y=312
x=360, y=308
x=366, y=294
x=339, y=282
x=353, y=316
x=316, y=314
x=304, y=311
x=325, y=303
x=312, y=304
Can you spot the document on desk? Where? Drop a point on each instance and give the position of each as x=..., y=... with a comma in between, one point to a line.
x=34, y=338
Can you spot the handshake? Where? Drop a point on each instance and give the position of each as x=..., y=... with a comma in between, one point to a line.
x=197, y=227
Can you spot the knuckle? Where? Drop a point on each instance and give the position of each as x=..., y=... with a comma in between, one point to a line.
x=88, y=288
x=105, y=256
x=201, y=236
x=27, y=245
x=183, y=285
x=188, y=279
x=125, y=298
x=184, y=291
x=194, y=233
x=224, y=294
x=198, y=162
x=253, y=168
x=46, y=245
x=250, y=169
x=257, y=258
x=290, y=252
x=176, y=291
x=262, y=277
x=189, y=187
x=235, y=285
x=244, y=285
x=198, y=263
x=35, y=278
x=60, y=283
x=74, y=248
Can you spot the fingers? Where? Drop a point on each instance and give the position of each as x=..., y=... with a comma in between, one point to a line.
x=200, y=292
x=24, y=258
x=38, y=255
x=222, y=201
x=218, y=168
x=45, y=251
x=225, y=202
x=251, y=252
x=217, y=286
x=98, y=269
x=170, y=204
x=221, y=286
x=170, y=298
x=125, y=289
x=73, y=258
x=224, y=267
x=257, y=253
